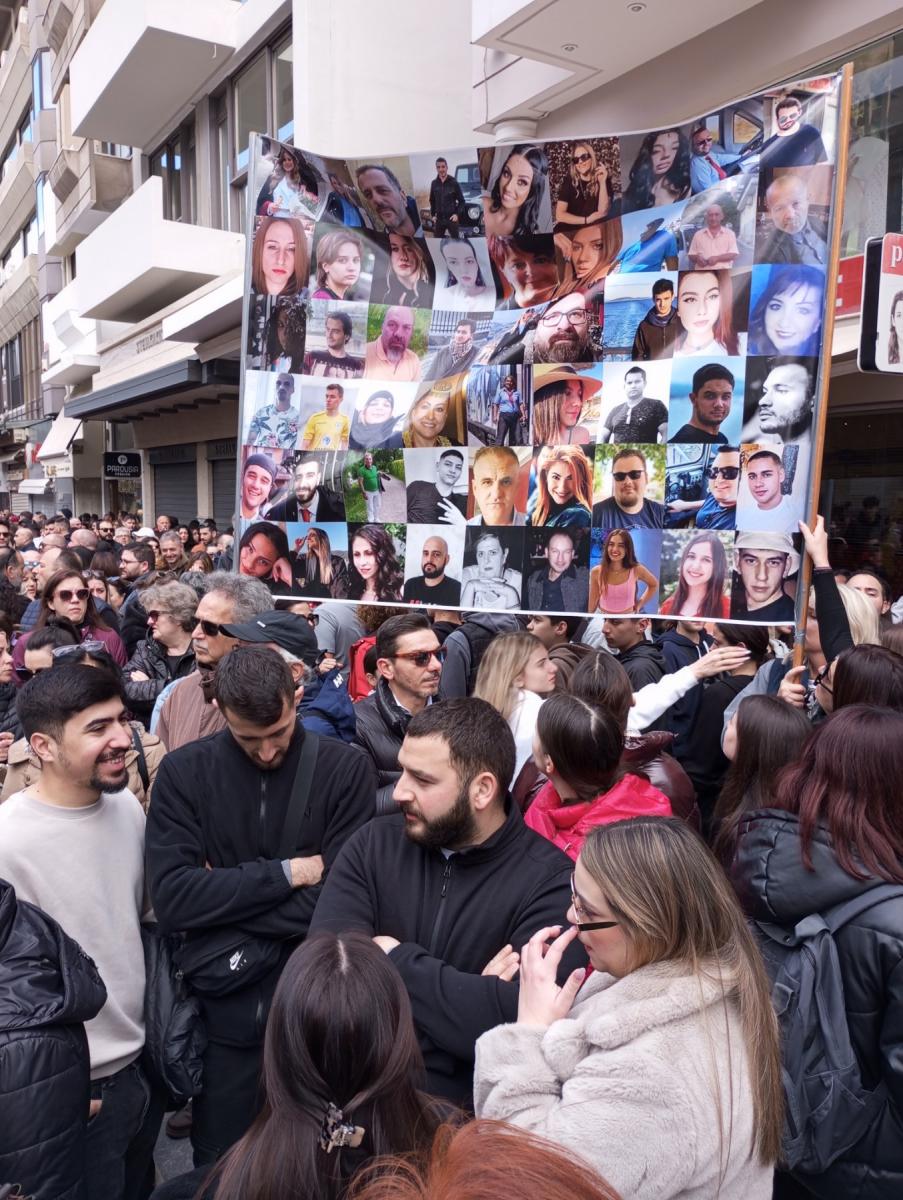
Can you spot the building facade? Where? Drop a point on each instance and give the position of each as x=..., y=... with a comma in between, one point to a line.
x=124, y=130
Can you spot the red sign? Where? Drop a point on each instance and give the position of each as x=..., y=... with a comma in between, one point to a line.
x=849, y=286
x=892, y=254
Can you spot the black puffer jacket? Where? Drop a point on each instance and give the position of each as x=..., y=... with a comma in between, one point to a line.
x=9, y=721
x=381, y=726
x=151, y=658
x=773, y=885
x=48, y=988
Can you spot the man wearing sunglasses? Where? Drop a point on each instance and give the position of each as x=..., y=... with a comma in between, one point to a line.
x=627, y=507
x=409, y=665
x=719, y=509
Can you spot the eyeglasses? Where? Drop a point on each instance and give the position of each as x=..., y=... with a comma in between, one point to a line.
x=155, y=614
x=587, y=926
x=31, y=564
x=620, y=476
x=577, y=316
x=104, y=528
x=579, y=158
x=821, y=680
x=209, y=627
x=79, y=651
x=68, y=594
x=724, y=472
x=420, y=658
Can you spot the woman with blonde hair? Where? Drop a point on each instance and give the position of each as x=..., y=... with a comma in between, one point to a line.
x=320, y=572
x=427, y=417
x=585, y=193
x=564, y=488
x=280, y=262
x=515, y=676
x=614, y=585
x=662, y=1069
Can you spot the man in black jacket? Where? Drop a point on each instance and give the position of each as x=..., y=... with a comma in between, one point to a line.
x=449, y=882
x=409, y=662
x=643, y=661
x=232, y=865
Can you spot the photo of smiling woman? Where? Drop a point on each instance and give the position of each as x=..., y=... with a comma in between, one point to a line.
x=559, y=396
x=661, y=171
x=786, y=305
x=620, y=584
x=428, y=417
x=514, y=204
x=339, y=255
x=280, y=263
x=408, y=275
x=705, y=312
x=374, y=572
x=701, y=575
x=563, y=491
x=585, y=194
x=373, y=424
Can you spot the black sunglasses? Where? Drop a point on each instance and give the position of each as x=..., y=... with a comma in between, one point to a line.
x=579, y=158
x=726, y=472
x=209, y=627
x=620, y=476
x=420, y=658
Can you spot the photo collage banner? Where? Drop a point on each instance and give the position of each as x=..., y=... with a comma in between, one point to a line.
x=573, y=376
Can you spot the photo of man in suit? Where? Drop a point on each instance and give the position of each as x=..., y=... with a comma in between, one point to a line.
x=311, y=500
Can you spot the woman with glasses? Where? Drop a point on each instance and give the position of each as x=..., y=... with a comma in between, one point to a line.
x=662, y=1069
x=578, y=748
x=167, y=652
x=66, y=594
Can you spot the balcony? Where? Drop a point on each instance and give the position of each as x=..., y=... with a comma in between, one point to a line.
x=15, y=81
x=141, y=63
x=88, y=186
x=18, y=297
x=137, y=263
x=17, y=198
x=70, y=339
x=65, y=24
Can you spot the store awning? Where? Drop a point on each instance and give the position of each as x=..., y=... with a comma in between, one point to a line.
x=34, y=487
x=59, y=439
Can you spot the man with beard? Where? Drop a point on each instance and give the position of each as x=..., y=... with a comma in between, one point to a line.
x=433, y=587
x=334, y=362
x=452, y=885
x=792, y=238
x=389, y=357
x=783, y=413
x=244, y=825
x=311, y=500
x=386, y=198
x=438, y=503
x=185, y=710
x=562, y=333
x=72, y=843
x=457, y=356
x=628, y=507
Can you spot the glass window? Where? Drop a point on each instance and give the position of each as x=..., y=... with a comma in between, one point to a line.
x=114, y=149
x=744, y=129
x=174, y=163
x=251, y=114
x=41, y=96
x=30, y=236
x=39, y=204
x=24, y=130
x=284, y=123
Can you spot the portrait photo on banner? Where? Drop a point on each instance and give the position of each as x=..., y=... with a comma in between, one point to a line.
x=574, y=376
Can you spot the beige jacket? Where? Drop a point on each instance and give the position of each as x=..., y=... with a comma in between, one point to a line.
x=23, y=766
x=185, y=716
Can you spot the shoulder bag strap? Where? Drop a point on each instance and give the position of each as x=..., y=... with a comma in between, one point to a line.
x=142, y=760
x=297, y=804
x=835, y=918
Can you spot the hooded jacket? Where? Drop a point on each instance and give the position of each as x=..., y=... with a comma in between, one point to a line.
x=774, y=886
x=655, y=337
x=451, y=915
x=381, y=724
x=326, y=706
x=566, y=825
x=567, y=658
x=679, y=651
x=48, y=988
x=464, y=648
x=648, y=754
x=644, y=663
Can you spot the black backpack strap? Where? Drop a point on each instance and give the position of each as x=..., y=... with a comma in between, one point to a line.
x=297, y=804
x=841, y=914
x=142, y=760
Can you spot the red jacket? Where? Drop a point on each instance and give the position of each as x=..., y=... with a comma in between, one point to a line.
x=568, y=824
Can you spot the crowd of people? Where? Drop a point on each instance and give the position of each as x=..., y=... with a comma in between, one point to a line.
x=398, y=903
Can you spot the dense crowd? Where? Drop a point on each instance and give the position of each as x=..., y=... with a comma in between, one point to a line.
x=397, y=903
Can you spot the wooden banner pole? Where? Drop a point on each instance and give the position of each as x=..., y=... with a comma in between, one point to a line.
x=844, y=117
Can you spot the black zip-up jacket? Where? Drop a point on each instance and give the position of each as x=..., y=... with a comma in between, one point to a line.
x=380, y=728
x=451, y=916
x=150, y=657
x=213, y=807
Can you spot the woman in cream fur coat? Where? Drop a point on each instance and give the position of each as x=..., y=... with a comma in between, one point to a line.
x=663, y=1069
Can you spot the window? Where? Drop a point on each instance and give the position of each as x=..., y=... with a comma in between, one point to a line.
x=20, y=370
x=41, y=96
x=744, y=129
x=284, y=123
x=174, y=164
x=251, y=108
x=39, y=204
x=114, y=150
x=24, y=130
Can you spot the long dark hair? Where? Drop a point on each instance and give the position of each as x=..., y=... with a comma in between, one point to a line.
x=584, y=742
x=340, y=1032
x=638, y=193
x=296, y=330
x=715, y=591
x=867, y=674
x=848, y=780
x=389, y=576
x=783, y=281
x=893, y=342
x=770, y=734
x=92, y=619
x=528, y=216
x=600, y=680
x=754, y=637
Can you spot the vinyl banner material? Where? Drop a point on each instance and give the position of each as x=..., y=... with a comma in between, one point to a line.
x=576, y=377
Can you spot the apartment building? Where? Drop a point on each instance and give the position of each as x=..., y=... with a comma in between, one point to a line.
x=125, y=128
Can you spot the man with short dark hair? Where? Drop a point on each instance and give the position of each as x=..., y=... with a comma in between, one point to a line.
x=655, y=334
x=562, y=585
x=73, y=844
x=876, y=590
x=335, y=362
x=794, y=143
x=557, y=634
x=438, y=503
x=409, y=666
x=711, y=398
x=446, y=202
x=23, y=537
x=312, y=501
x=719, y=508
x=640, y=418
x=233, y=865
x=433, y=586
x=784, y=410
x=643, y=661
x=275, y=426
x=458, y=355
x=329, y=428
x=707, y=165
x=627, y=507
x=762, y=564
x=172, y=551
x=451, y=880
x=767, y=506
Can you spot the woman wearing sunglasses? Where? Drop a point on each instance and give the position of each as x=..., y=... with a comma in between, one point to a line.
x=66, y=594
x=167, y=651
x=662, y=1069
